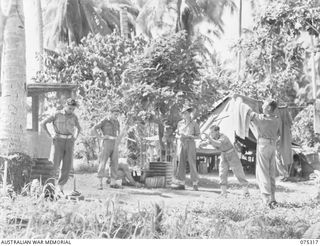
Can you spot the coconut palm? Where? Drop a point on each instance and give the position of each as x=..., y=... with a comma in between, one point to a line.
x=112, y=12
x=165, y=16
x=13, y=82
x=34, y=37
x=69, y=21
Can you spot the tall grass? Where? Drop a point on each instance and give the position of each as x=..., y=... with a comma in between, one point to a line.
x=31, y=217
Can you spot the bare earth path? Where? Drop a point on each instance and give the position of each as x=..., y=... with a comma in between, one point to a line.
x=131, y=197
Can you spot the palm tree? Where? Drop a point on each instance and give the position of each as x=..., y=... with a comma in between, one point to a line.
x=3, y=19
x=165, y=16
x=124, y=22
x=112, y=11
x=13, y=82
x=34, y=37
x=68, y=21
x=34, y=51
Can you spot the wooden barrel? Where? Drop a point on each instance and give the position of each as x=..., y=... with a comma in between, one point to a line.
x=161, y=169
x=43, y=168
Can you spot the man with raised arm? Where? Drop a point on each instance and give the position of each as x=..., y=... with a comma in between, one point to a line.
x=229, y=159
x=268, y=126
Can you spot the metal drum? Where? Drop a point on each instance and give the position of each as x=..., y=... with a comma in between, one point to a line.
x=158, y=169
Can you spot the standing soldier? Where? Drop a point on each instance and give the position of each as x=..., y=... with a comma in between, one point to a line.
x=268, y=126
x=188, y=131
x=64, y=124
x=229, y=159
x=108, y=131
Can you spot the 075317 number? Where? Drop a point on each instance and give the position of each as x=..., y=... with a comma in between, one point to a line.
x=309, y=241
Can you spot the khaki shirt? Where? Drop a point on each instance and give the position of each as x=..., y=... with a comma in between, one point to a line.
x=192, y=128
x=64, y=123
x=225, y=143
x=268, y=127
x=109, y=126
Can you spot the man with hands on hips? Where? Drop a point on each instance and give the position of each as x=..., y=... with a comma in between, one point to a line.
x=66, y=130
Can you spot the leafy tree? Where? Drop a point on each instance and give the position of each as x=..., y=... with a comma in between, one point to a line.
x=96, y=66
x=302, y=129
x=163, y=79
x=149, y=82
x=176, y=15
x=274, y=51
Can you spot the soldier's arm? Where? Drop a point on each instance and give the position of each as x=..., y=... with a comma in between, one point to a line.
x=216, y=142
x=78, y=128
x=97, y=127
x=204, y=143
x=44, y=123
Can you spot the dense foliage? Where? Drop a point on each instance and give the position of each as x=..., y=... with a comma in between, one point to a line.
x=275, y=51
x=96, y=66
x=148, y=82
x=302, y=129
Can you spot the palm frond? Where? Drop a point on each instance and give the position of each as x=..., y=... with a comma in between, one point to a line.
x=152, y=14
x=94, y=20
x=111, y=17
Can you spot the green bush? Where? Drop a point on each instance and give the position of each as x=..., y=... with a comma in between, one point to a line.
x=302, y=129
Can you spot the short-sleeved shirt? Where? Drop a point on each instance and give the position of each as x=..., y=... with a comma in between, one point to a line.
x=64, y=123
x=267, y=126
x=109, y=126
x=225, y=143
x=192, y=128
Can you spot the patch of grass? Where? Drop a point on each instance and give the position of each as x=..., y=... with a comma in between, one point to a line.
x=27, y=217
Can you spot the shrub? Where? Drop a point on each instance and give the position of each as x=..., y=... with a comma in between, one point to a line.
x=302, y=129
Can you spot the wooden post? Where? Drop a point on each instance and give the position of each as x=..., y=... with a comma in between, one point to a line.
x=35, y=113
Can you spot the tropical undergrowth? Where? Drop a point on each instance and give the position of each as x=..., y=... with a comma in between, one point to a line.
x=31, y=217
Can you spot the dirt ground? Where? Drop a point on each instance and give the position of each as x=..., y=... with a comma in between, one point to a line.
x=132, y=197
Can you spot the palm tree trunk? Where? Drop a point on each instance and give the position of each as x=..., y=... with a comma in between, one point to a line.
x=3, y=19
x=13, y=81
x=34, y=51
x=178, y=23
x=34, y=37
x=240, y=33
x=124, y=22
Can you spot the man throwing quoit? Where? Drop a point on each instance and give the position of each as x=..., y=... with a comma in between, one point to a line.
x=229, y=159
x=64, y=124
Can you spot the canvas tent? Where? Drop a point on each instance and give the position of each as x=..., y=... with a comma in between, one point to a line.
x=234, y=122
